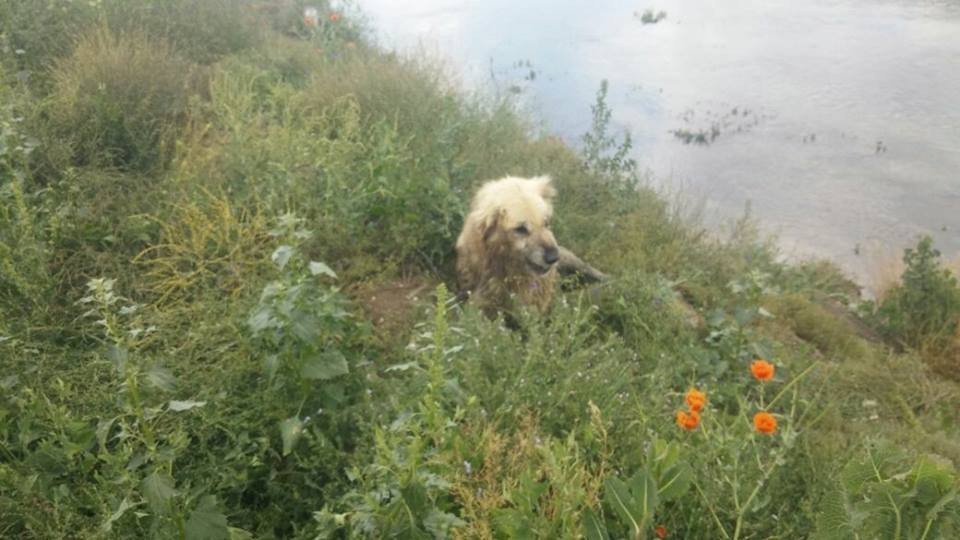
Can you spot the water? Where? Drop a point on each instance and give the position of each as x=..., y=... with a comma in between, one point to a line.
x=838, y=120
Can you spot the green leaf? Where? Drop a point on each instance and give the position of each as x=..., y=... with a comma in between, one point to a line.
x=157, y=489
x=291, y=430
x=271, y=363
x=325, y=366
x=644, y=491
x=122, y=508
x=235, y=533
x=675, y=482
x=178, y=406
x=207, y=522
x=835, y=519
x=305, y=326
x=511, y=523
x=402, y=367
x=932, y=478
x=261, y=319
x=716, y=317
x=439, y=524
x=415, y=497
x=662, y=455
x=103, y=431
x=948, y=498
x=118, y=356
x=321, y=268
x=593, y=527
x=281, y=256
x=161, y=378
x=619, y=499
x=744, y=316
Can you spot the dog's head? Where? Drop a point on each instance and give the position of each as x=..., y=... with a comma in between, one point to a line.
x=514, y=219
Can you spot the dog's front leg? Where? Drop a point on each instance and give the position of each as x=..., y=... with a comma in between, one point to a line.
x=571, y=265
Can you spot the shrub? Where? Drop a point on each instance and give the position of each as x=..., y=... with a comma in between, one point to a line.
x=118, y=101
x=355, y=177
x=924, y=309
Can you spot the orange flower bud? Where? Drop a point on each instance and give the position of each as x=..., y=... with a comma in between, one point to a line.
x=764, y=422
x=688, y=420
x=696, y=399
x=334, y=17
x=762, y=370
x=660, y=531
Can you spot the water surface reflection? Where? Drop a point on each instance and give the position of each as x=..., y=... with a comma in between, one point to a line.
x=838, y=119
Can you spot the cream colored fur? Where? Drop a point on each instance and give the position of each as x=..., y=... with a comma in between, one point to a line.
x=506, y=250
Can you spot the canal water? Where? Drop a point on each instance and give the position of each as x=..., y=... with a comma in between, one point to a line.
x=837, y=121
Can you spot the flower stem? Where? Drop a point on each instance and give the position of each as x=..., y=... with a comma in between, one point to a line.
x=792, y=382
x=712, y=513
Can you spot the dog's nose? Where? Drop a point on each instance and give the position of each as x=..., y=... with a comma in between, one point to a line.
x=551, y=255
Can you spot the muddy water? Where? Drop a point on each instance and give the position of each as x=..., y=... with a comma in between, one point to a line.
x=838, y=120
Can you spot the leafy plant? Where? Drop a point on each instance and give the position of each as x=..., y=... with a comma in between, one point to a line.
x=635, y=501
x=299, y=325
x=882, y=493
x=403, y=492
x=925, y=309
x=602, y=153
x=138, y=446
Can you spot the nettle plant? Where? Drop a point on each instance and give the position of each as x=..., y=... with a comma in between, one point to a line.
x=139, y=445
x=404, y=492
x=300, y=323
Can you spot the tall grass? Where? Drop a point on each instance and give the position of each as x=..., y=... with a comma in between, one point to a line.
x=118, y=101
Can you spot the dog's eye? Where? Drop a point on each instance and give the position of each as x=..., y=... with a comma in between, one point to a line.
x=522, y=230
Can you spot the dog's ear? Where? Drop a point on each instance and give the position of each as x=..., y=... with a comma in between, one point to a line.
x=488, y=225
x=545, y=187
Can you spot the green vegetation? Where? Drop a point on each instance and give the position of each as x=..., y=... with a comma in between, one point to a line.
x=206, y=207
x=923, y=311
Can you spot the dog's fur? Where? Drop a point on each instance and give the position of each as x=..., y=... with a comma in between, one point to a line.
x=506, y=250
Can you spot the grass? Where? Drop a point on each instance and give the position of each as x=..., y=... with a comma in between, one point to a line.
x=225, y=312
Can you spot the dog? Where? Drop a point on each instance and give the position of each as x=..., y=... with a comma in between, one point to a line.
x=506, y=251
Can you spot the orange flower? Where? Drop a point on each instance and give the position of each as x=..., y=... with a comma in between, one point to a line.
x=660, y=531
x=764, y=422
x=688, y=420
x=334, y=17
x=696, y=399
x=762, y=370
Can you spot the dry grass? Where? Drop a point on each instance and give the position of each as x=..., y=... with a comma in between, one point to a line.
x=206, y=243
x=884, y=268
x=954, y=266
